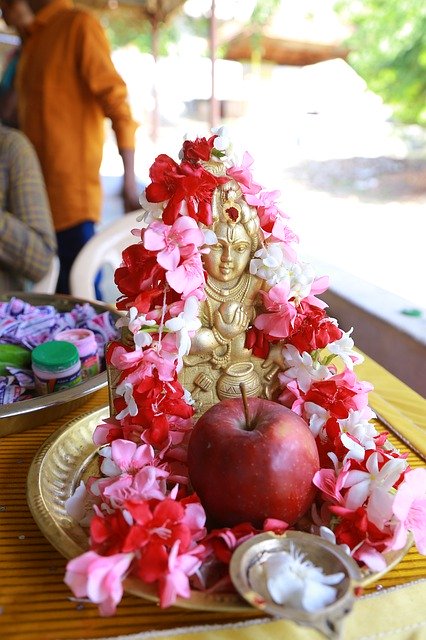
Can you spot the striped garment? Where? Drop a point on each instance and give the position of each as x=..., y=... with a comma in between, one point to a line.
x=27, y=238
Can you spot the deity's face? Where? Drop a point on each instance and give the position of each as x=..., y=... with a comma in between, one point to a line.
x=228, y=259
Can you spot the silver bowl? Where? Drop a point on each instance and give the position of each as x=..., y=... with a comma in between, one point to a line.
x=329, y=557
x=26, y=414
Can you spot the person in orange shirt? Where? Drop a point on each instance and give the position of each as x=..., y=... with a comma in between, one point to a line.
x=66, y=85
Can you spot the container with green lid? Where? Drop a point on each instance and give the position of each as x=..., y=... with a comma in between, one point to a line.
x=12, y=355
x=56, y=365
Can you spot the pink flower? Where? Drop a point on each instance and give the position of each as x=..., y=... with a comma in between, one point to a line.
x=175, y=582
x=281, y=314
x=331, y=484
x=187, y=277
x=319, y=285
x=243, y=175
x=122, y=358
x=409, y=506
x=125, y=456
x=98, y=578
x=173, y=242
x=148, y=483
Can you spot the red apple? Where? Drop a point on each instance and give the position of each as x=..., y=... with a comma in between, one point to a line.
x=249, y=472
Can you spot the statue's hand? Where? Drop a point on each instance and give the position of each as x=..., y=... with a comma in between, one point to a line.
x=274, y=359
x=230, y=320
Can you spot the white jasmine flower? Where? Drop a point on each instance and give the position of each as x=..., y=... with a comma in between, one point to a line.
x=136, y=323
x=270, y=264
x=302, y=368
x=344, y=349
x=328, y=534
x=224, y=143
x=355, y=450
x=375, y=485
x=125, y=389
x=357, y=424
x=301, y=276
x=294, y=581
x=75, y=505
x=317, y=417
x=185, y=323
x=188, y=397
x=150, y=210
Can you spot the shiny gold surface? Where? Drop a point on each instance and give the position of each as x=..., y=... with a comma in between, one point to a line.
x=27, y=414
x=69, y=456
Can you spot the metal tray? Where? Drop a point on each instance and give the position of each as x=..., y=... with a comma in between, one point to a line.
x=26, y=414
x=69, y=456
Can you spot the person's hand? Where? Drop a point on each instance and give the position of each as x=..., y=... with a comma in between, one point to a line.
x=130, y=195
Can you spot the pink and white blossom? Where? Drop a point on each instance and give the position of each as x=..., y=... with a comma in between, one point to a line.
x=125, y=456
x=99, y=578
x=409, y=508
x=173, y=243
x=280, y=312
x=176, y=582
x=187, y=277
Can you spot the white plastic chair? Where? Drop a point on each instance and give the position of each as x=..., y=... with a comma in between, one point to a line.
x=104, y=249
x=48, y=282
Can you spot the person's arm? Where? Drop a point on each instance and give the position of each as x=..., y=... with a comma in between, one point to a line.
x=27, y=238
x=130, y=191
x=110, y=90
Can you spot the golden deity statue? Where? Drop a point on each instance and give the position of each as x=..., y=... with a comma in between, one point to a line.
x=218, y=360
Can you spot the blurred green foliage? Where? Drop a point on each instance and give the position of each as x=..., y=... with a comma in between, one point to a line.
x=388, y=49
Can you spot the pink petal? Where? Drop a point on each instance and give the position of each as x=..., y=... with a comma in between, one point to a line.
x=122, y=452
x=169, y=258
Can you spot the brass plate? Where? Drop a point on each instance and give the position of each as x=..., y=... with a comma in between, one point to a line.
x=27, y=414
x=68, y=457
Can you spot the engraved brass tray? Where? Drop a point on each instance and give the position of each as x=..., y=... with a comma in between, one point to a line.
x=27, y=414
x=68, y=457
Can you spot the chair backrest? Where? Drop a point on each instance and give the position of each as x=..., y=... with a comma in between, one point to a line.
x=104, y=249
x=48, y=283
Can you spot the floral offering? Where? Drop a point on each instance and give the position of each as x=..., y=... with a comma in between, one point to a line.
x=141, y=513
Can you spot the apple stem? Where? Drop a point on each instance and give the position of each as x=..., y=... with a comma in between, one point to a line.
x=245, y=403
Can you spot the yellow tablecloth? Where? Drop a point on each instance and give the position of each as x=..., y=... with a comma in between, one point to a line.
x=36, y=605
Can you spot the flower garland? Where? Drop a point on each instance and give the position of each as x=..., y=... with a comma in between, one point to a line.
x=143, y=520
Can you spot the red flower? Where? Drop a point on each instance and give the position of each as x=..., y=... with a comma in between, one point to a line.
x=108, y=533
x=199, y=149
x=157, y=402
x=223, y=542
x=355, y=528
x=139, y=273
x=258, y=342
x=165, y=175
x=312, y=329
x=187, y=183
x=333, y=395
x=157, y=522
